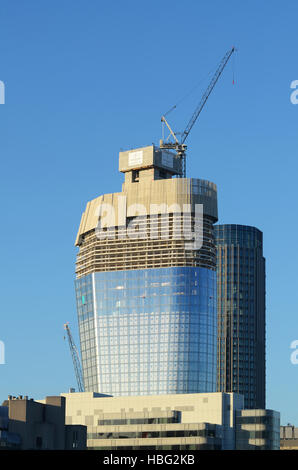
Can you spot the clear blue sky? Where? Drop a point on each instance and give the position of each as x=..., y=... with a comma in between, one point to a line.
x=85, y=79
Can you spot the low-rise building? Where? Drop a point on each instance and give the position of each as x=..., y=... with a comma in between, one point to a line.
x=165, y=422
x=29, y=424
x=288, y=437
x=257, y=429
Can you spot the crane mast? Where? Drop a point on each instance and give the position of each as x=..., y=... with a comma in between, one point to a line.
x=180, y=147
x=75, y=359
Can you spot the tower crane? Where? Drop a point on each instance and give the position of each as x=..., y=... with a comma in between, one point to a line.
x=75, y=359
x=180, y=146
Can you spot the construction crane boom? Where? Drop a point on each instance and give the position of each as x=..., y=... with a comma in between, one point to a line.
x=180, y=147
x=207, y=93
x=75, y=359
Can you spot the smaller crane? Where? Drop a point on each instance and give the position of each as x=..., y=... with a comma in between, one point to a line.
x=75, y=359
x=180, y=147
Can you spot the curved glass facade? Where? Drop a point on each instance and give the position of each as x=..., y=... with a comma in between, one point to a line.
x=148, y=331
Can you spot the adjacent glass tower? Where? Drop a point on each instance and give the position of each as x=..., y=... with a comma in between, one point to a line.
x=146, y=281
x=241, y=312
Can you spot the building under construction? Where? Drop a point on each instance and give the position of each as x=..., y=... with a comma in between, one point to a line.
x=146, y=281
x=154, y=334
x=146, y=275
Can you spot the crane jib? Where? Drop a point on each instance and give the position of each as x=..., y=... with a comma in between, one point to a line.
x=207, y=93
x=180, y=147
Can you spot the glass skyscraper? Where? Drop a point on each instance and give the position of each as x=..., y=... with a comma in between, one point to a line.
x=241, y=312
x=146, y=281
